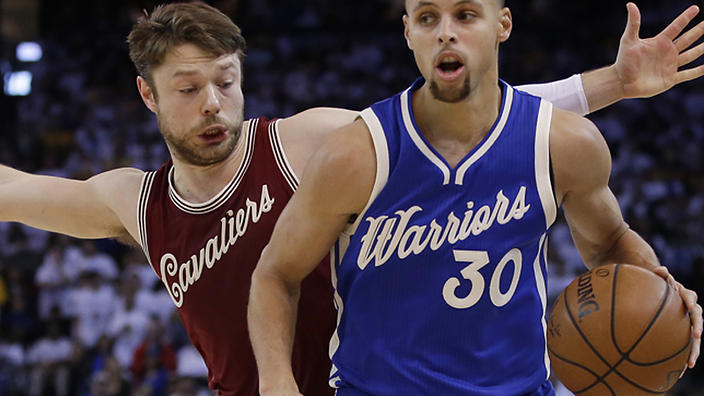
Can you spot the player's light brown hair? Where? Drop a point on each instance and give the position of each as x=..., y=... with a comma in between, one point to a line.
x=174, y=24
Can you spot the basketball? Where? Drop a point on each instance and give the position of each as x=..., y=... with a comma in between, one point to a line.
x=619, y=330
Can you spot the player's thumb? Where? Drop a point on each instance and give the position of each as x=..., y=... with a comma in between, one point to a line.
x=633, y=25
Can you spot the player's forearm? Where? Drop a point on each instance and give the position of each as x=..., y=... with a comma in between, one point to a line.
x=567, y=94
x=629, y=248
x=271, y=317
x=602, y=87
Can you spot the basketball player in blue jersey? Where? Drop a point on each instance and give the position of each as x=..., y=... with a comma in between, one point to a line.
x=436, y=204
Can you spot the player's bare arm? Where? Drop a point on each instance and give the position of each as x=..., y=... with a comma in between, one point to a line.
x=647, y=67
x=582, y=166
x=337, y=184
x=303, y=133
x=104, y=206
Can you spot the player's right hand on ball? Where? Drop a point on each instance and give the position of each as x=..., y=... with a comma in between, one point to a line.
x=695, y=313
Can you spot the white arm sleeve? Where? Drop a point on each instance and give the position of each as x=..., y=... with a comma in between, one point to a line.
x=567, y=94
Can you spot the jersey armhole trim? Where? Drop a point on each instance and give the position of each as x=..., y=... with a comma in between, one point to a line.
x=542, y=163
x=280, y=156
x=144, y=192
x=381, y=149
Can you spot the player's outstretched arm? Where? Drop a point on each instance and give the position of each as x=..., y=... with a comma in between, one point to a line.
x=582, y=166
x=103, y=206
x=336, y=184
x=643, y=67
x=650, y=66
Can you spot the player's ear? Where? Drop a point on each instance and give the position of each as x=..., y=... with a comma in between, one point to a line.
x=406, y=33
x=505, y=24
x=147, y=94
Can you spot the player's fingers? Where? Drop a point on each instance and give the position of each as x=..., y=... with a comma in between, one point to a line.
x=690, y=55
x=694, y=355
x=662, y=271
x=697, y=321
x=689, y=37
x=677, y=26
x=689, y=74
x=633, y=22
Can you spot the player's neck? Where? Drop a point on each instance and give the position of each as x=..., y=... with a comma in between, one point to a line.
x=198, y=184
x=454, y=129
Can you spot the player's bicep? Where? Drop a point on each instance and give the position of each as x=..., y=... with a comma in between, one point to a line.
x=582, y=167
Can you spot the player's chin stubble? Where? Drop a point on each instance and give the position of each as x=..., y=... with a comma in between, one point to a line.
x=202, y=156
x=450, y=95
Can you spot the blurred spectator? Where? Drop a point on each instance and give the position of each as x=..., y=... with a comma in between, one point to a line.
x=129, y=323
x=49, y=359
x=109, y=381
x=52, y=279
x=87, y=258
x=154, y=355
x=91, y=305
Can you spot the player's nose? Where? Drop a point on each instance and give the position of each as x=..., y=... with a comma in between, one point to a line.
x=211, y=102
x=446, y=33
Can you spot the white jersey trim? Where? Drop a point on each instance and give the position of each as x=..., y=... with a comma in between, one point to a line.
x=145, y=191
x=336, y=254
x=542, y=163
x=493, y=136
x=280, y=156
x=250, y=129
x=415, y=136
x=381, y=150
x=542, y=292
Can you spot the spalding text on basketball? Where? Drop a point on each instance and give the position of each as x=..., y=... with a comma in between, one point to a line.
x=585, y=292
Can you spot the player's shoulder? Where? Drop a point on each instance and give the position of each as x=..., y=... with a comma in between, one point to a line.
x=121, y=182
x=315, y=121
x=302, y=134
x=579, y=154
x=572, y=129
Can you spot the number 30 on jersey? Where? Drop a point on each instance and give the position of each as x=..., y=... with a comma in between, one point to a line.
x=477, y=260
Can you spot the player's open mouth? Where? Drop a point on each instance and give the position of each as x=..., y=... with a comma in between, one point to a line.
x=214, y=134
x=449, y=67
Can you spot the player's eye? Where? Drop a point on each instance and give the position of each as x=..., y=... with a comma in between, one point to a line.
x=426, y=18
x=466, y=16
x=187, y=90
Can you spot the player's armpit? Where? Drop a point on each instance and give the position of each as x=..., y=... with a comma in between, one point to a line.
x=96, y=208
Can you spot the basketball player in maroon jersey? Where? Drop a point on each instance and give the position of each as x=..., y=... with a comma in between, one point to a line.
x=204, y=217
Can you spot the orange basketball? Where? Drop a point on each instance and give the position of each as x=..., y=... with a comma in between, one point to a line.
x=619, y=330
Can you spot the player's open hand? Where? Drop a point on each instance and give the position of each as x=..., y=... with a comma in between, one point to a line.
x=647, y=67
x=695, y=311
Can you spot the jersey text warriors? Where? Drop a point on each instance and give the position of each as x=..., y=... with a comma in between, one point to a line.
x=205, y=254
x=441, y=284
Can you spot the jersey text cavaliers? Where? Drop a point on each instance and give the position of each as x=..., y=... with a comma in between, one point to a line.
x=232, y=227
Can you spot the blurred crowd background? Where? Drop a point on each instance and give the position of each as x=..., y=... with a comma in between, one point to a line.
x=91, y=318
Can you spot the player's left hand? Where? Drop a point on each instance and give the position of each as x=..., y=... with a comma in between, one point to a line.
x=647, y=67
x=695, y=312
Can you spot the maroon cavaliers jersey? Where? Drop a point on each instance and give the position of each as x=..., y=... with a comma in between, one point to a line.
x=205, y=254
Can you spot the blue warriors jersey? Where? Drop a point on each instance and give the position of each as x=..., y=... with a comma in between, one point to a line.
x=440, y=285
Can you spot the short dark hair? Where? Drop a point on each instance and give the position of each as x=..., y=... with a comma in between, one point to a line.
x=174, y=24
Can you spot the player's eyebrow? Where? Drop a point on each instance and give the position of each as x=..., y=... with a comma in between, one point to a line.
x=460, y=2
x=190, y=72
